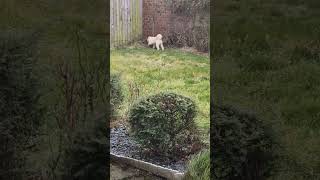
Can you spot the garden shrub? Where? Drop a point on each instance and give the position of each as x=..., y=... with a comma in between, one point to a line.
x=116, y=93
x=199, y=167
x=164, y=123
x=242, y=146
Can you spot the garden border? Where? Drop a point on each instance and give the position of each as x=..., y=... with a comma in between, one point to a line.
x=149, y=167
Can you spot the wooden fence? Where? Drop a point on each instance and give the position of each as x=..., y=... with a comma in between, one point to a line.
x=125, y=21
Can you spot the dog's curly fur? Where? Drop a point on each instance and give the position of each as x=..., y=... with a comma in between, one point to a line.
x=156, y=41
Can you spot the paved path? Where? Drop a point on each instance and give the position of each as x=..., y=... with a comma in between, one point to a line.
x=123, y=172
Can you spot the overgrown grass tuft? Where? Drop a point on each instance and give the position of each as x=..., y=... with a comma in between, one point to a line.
x=199, y=167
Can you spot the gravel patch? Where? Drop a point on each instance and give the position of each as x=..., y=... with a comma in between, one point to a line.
x=122, y=144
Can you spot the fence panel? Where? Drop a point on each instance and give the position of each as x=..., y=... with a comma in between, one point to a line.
x=125, y=21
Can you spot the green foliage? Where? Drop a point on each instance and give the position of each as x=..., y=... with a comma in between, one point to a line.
x=199, y=167
x=116, y=93
x=86, y=156
x=242, y=145
x=20, y=111
x=164, y=122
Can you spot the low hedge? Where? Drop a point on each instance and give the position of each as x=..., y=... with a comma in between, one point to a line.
x=164, y=123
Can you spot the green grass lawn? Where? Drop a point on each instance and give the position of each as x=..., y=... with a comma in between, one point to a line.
x=170, y=70
x=267, y=60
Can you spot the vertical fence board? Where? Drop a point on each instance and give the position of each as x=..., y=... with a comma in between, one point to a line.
x=111, y=22
x=129, y=21
x=125, y=21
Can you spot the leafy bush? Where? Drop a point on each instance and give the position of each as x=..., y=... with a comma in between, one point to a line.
x=116, y=93
x=199, y=167
x=242, y=145
x=164, y=122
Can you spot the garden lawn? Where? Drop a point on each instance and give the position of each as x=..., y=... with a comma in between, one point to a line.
x=149, y=71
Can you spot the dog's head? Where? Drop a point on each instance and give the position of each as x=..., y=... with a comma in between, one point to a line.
x=159, y=36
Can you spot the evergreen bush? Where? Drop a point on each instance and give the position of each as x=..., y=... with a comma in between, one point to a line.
x=164, y=122
x=242, y=145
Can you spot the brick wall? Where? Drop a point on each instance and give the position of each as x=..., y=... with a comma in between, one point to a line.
x=178, y=28
x=156, y=18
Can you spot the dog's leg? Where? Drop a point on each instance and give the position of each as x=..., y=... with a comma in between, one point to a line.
x=153, y=46
x=157, y=44
x=161, y=45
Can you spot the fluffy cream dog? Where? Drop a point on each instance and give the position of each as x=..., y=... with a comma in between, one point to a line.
x=155, y=41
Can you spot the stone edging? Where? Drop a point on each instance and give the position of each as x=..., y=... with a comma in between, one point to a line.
x=149, y=167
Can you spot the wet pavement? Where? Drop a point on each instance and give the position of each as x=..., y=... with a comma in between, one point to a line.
x=123, y=172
